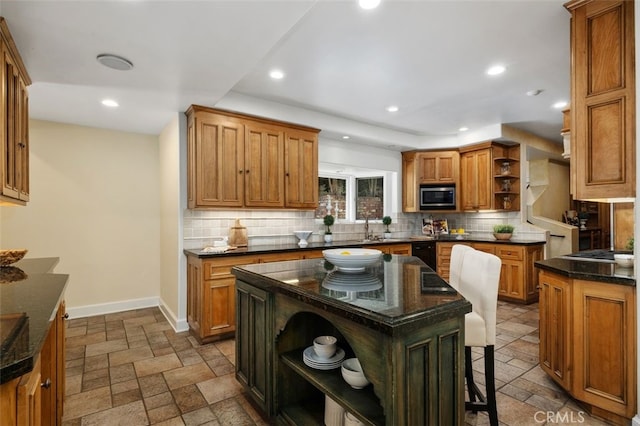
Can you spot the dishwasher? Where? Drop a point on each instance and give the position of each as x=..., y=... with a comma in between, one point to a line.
x=425, y=251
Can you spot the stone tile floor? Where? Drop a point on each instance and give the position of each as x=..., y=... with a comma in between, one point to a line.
x=130, y=368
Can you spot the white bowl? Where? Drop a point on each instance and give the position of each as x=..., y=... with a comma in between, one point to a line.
x=624, y=260
x=352, y=259
x=352, y=373
x=302, y=236
x=325, y=346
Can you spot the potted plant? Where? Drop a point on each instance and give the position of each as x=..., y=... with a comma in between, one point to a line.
x=328, y=222
x=502, y=231
x=386, y=221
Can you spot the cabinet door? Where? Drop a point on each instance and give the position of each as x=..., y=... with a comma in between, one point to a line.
x=48, y=368
x=194, y=295
x=511, y=280
x=253, y=344
x=475, y=180
x=218, y=153
x=60, y=360
x=219, y=306
x=555, y=327
x=410, y=183
x=605, y=346
x=301, y=169
x=30, y=398
x=264, y=166
x=438, y=167
x=603, y=99
x=11, y=129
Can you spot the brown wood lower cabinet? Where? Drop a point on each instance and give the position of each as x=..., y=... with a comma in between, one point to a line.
x=37, y=398
x=518, y=280
x=588, y=343
x=211, y=288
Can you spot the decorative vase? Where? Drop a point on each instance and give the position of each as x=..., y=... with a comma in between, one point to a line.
x=502, y=236
x=387, y=235
x=328, y=238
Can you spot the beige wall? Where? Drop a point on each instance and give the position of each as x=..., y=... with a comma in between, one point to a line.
x=95, y=204
x=173, y=287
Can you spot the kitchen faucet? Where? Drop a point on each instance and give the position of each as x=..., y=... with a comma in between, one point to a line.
x=366, y=227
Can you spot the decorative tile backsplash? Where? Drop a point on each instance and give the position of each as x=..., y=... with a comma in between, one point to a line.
x=267, y=227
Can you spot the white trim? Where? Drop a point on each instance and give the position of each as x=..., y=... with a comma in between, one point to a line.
x=109, y=308
x=178, y=325
x=636, y=420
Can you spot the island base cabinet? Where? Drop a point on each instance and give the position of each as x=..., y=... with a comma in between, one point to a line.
x=253, y=343
x=416, y=372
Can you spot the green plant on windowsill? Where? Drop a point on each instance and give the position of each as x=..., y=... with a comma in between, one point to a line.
x=328, y=222
x=386, y=221
x=629, y=245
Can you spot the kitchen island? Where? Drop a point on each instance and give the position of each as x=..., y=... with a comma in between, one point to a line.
x=588, y=334
x=398, y=317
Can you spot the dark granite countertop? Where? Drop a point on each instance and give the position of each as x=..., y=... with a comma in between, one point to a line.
x=29, y=298
x=394, y=292
x=589, y=270
x=274, y=248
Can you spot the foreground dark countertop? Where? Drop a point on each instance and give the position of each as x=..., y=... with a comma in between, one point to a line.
x=395, y=291
x=588, y=270
x=274, y=248
x=27, y=308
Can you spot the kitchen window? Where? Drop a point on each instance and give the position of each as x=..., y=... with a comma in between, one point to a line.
x=351, y=198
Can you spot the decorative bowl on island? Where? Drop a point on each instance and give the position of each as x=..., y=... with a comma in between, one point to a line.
x=352, y=259
x=624, y=260
x=7, y=257
x=302, y=236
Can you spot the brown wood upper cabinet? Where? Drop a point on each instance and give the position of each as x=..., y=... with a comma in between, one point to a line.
x=602, y=99
x=429, y=168
x=490, y=177
x=241, y=161
x=14, y=131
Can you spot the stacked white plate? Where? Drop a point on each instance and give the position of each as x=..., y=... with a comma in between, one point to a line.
x=311, y=359
x=345, y=281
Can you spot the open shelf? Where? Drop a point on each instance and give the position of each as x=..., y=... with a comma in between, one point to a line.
x=363, y=403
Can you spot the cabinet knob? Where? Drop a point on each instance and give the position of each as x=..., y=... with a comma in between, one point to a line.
x=46, y=384
x=22, y=144
x=240, y=172
x=66, y=315
x=246, y=172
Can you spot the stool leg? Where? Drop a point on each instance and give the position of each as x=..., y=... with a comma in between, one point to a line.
x=468, y=372
x=489, y=368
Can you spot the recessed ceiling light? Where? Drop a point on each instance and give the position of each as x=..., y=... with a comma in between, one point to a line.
x=109, y=103
x=115, y=62
x=392, y=108
x=534, y=92
x=560, y=104
x=346, y=137
x=369, y=4
x=463, y=129
x=276, y=74
x=496, y=70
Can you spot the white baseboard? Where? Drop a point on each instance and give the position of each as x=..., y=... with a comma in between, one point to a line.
x=636, y=420
x=178, y=325
x=109, y=308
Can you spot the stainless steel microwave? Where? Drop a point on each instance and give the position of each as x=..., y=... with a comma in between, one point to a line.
x=437, y=197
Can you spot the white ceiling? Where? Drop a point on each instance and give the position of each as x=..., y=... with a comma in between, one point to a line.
x=343, y=65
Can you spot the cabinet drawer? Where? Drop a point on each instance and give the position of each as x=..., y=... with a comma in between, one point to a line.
x=280, y=257
x=214, y=268
x=510, y=253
